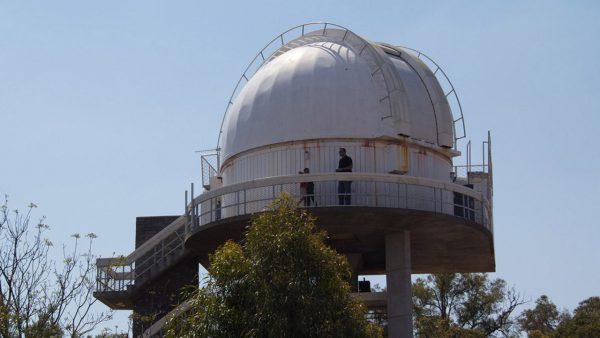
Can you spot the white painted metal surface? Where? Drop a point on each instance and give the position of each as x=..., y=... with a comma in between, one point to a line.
x=322, y=157
x=327, y=86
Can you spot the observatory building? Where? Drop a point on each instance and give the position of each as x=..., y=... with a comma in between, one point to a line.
x=406, y=206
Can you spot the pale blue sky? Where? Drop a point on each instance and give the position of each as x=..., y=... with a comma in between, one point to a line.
x=102, y=105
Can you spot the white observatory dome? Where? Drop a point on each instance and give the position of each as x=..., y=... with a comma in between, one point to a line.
x=328, y=87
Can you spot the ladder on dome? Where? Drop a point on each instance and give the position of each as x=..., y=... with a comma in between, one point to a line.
x=449, y=91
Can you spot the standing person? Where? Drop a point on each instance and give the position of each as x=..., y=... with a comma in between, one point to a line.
x=307, y=190
x=344, y=187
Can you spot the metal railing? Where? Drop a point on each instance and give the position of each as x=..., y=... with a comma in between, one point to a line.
x=120, y=273
x=450, y=90
x=209, y=163
x=368, y=190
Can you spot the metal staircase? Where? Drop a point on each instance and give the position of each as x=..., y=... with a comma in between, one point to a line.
x=119, y=279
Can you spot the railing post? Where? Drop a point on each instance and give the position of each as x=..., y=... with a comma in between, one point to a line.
x=186, y=212
x=193, y=223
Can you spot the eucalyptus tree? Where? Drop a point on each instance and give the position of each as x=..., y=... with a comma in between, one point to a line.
x=281, y=281
x=464, y=305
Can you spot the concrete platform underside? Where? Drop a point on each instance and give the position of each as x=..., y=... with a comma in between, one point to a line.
x=116, y=300
x=439, y=243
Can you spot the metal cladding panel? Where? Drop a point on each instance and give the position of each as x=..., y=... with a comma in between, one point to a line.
x=323, y=157
x=422, y=113
x=442, y=112
x=332, y=83
x=321, y=90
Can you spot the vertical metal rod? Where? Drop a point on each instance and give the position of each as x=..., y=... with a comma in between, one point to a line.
x=483, y=155
x=468, y=162
x=469, y=157
x=185, y=209
x=192, y=203
x=186, y=212
x=324, y=29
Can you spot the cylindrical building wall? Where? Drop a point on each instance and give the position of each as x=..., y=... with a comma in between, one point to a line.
x=369, y=156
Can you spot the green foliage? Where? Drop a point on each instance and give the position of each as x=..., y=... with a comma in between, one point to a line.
x=536, y=334
x=585, y=322
x=108, y=333
x=542, y=320
x=463, y=305
x=44, y=327
x=283, y=281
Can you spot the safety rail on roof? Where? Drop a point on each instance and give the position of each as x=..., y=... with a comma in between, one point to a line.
x=209, y=163
x=449, y=90
x=368, y=190
x=468, y=171
x=379, y=67
x=276, y=45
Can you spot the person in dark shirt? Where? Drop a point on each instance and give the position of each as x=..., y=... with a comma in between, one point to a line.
x=344, y=187
x=307, y=189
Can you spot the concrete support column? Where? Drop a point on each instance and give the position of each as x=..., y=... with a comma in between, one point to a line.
x=355, y=261
x=399, y=295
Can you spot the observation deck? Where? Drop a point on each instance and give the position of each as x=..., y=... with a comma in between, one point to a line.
x=381, y=204
x=450, y=224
